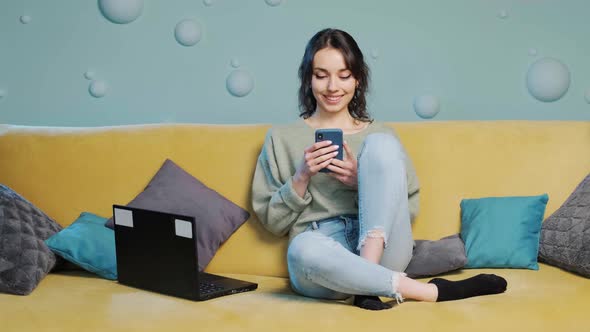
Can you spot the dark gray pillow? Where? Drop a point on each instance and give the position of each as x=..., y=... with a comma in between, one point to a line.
x=173, y=190
x=435, y=257
x=565, y=235
x=24, y=258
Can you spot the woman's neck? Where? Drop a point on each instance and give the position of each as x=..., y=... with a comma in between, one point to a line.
x=344, y=121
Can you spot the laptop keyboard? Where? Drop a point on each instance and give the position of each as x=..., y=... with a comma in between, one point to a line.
x=207, y=287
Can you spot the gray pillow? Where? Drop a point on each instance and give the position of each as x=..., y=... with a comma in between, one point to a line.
x=24, y=258
x=565, y=235
x=173, y=190
x=435, y=257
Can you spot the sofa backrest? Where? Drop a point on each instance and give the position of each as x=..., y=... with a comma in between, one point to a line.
x=65, y=171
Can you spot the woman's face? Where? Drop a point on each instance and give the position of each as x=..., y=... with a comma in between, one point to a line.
x=332, y=82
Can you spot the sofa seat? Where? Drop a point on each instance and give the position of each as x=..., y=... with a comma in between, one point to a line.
x=95, y=304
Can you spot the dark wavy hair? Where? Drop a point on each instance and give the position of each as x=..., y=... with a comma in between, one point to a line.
x=353, y=57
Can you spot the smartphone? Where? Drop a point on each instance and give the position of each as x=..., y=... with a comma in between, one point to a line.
x=334, y=135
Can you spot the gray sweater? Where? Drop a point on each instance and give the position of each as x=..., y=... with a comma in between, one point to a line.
x=280, y=209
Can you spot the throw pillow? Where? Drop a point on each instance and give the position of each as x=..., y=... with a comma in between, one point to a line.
x=24, y=258
x=88, y=244
x=435, y=257
x=565, y=235
x=502, y=231
x=174, y=190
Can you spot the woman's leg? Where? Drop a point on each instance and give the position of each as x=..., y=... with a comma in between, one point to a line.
x=385, y=235
x=322, y=264
x=322, y=261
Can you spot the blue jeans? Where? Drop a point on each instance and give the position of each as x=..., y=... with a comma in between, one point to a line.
x=324, y=260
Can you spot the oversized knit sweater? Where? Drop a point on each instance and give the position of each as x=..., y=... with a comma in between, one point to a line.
x=280, y=209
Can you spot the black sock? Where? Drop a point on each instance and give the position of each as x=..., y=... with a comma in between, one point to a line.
x=370, y=302
x=481, y=284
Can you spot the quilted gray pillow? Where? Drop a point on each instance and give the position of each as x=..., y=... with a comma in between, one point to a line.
x=24, y=258
x=565, y=235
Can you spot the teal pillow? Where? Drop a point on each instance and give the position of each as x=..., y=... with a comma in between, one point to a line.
x=88, y=244
x=502, y=232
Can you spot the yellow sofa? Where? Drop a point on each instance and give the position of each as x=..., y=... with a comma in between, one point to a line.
x=65, y=171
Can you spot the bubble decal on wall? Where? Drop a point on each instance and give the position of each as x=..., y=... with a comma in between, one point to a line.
x=273, y=3
x=587, y=96
x=235, y=62
x=187, y=32
x=208, y=3
x=548, y=79
x=98, y=89
x=89, y=75
x=2, y=93
x=533, y=52
x=426, y=106
x=239, y=83
x=121, y=11
x=25, y=19
x=503, y=14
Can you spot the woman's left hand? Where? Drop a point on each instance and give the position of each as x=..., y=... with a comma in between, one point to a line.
x=345, y=170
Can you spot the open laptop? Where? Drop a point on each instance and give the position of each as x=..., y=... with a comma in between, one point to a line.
x=157, y=251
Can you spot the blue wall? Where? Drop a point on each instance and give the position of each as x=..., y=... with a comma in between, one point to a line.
x=471, y=56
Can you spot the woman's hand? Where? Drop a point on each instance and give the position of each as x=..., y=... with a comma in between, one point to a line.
x=316, y=157
x=345, y=170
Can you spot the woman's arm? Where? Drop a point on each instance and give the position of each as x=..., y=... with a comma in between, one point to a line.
x=277, y=197
x=277, y=204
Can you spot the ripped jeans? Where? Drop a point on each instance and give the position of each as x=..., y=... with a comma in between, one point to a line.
x=324, y=260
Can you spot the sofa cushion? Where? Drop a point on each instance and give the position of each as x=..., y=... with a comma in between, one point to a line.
x=24, y=258
x=88, y=244
x=431, y=258
x=502, y=231
x=174, y=190
x=565, y=235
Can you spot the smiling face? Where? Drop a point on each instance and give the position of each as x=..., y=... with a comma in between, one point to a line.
x=332, y=82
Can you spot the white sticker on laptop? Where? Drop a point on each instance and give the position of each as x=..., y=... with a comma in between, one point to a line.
x=184, y=228
x=123, y=217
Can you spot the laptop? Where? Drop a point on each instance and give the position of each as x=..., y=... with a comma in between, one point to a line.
x=157, y=251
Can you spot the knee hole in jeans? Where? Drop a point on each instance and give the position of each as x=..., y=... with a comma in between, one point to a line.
x=375, y=233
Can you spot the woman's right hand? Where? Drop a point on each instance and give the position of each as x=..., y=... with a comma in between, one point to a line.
x=316, y=157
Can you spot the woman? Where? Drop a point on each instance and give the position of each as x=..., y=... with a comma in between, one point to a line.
x=349, y=229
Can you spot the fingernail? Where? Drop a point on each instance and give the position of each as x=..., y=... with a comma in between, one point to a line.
x=329, y=142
